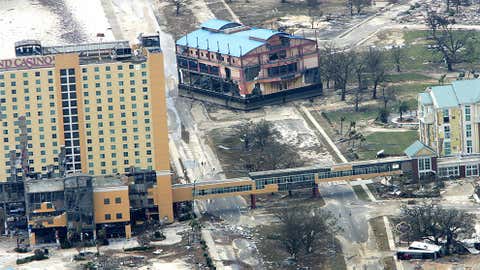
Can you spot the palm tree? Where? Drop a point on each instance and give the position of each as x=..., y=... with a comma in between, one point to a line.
x=342, y=119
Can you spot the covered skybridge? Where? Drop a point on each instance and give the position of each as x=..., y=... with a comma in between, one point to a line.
x=290, y=179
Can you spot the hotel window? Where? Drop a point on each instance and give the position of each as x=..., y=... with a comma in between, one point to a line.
x=468, y=131
x=118, y=200
x=446, y=117
x=447, y=149
x=96, y=69
x=467, y=113
x=119, y=215
x=446, y=130
x=471, y=170
x=108, y=217
x=106, y=201
x=469, y=147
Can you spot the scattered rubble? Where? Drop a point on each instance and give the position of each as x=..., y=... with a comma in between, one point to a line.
x=467, y=15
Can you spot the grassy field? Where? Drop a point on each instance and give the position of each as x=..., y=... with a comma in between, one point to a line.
x=394, y=143
x=378, y=227
x=364, y=113
x=360, y=192
x=229, y=151
x=389, y=263
x=419, y=57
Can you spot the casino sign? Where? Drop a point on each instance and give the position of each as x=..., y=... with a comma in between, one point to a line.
x=27, y=62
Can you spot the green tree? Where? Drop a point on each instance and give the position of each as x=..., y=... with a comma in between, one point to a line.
x=402, y=108
x=383, y=115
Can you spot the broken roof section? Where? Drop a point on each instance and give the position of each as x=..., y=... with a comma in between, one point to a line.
x=216, y=24
x=418, y=149
x=228, y=37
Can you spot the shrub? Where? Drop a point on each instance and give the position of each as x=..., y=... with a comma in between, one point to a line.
x=65, y=244
x=21, y=250
x=39, y=255
x=90, y=266
x=79, y=258
x=141, y=248
x=159, y=235
x=383, y=115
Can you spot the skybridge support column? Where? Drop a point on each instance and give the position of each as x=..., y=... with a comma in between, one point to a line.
x=315, y=192
x=253, y=201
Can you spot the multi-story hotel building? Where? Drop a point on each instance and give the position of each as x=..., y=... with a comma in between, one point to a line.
x=95, y=109
x=246, y=66
x=449, y=126
x=98, y=100
x=450, y=118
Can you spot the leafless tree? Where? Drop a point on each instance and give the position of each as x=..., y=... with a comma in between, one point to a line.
x=178, y=5
x=375, y=65
x=360, y=72
x=453, y=45
x=430, y=220
x=303, y=229
x=263, y=149
x=314, y=15
x=343, y=68
x=397, y=56
x=388, y=94
x=358, y=5
x=327, y=63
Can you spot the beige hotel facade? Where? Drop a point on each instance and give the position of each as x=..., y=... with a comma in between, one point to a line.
x=104, y=102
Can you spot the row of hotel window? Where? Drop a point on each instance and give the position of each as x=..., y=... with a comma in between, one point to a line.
x=467, y=114
x=447, y=147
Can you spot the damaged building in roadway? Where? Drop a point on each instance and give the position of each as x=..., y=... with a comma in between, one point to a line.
x=244, y=67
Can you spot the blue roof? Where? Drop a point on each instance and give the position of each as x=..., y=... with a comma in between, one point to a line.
x=236, y=44
x=458, y=93
x=425, y=99
x=444, y=96
x=218, y=24
x=415, y=147
x=467, y=91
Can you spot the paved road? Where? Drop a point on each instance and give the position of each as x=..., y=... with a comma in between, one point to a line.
x=362, y=31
